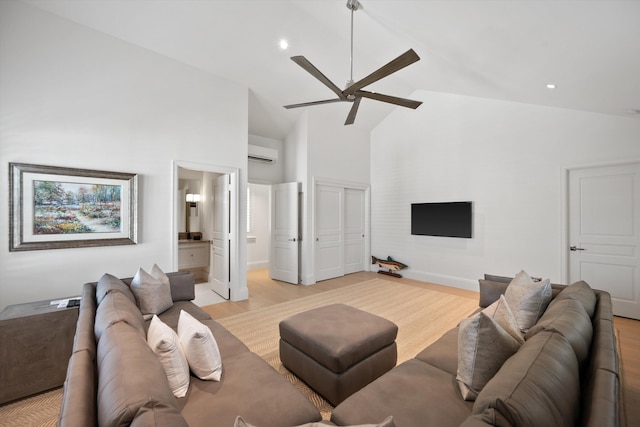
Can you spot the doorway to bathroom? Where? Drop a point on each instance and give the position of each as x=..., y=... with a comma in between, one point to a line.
x=206, y=221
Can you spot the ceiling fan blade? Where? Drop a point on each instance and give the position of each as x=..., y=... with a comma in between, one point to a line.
x=311, y=69
x=352, y=113
x=407, y=58
x=403, y=102
x=307, y=104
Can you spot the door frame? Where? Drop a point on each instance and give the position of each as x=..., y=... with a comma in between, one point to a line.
x=564, y=235
x=237, y=285
x=315, y=182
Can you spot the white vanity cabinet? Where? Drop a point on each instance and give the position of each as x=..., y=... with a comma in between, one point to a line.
x=193, y=255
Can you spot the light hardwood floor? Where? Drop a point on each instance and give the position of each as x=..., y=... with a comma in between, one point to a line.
x=265, y=292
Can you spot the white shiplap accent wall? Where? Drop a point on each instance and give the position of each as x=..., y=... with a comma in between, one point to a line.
x=508, y=158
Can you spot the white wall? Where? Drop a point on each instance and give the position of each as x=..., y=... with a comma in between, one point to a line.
x=259, y=238
x=74, y=97
x=508, y=158
x=323, y=148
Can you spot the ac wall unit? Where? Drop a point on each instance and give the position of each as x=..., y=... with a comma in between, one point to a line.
x=262, y=154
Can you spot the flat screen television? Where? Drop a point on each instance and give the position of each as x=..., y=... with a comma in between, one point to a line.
x=448, y=219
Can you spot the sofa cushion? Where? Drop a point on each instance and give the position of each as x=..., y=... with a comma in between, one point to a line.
x=250, y=388
x=414, y=393
x=581, y=292
x=158, y=414
x=502, y=314
x=152, y=291
x=567, y=317
x=528, y=299
x=537, y=386
x=483, y=346
x=165, y=344
x=108, y=283
x=115, y=308
x=129, y=376
x=443, y=353
x=200, y=348
x=172, y=315
x=228, y=344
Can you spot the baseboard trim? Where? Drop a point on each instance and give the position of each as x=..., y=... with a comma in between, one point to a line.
x=442, y=279
x=257, y=265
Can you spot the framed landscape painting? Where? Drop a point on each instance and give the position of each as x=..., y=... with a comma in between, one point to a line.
x=53, y=207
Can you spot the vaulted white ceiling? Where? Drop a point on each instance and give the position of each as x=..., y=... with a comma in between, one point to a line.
x=501, y=49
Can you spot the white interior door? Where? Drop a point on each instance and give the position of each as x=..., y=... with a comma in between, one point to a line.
x=354, y=205
x=220, y=244
x=283, y=259
x=604, y=217
x=329, y=232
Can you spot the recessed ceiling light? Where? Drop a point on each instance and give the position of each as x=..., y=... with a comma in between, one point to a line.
x=551, y=86
x=284, y=44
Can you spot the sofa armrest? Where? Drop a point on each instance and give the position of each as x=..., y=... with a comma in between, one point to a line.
x=182, y=286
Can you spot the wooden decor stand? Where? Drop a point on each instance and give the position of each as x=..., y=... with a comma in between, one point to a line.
x=389, y=273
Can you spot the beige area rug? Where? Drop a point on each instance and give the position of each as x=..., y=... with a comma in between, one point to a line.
x=422, y=317
x=39, y=410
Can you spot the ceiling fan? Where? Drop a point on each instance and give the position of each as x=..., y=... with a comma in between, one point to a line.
x=353, y=93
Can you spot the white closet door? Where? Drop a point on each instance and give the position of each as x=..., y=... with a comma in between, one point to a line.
x=329, y=232
x=354, y=205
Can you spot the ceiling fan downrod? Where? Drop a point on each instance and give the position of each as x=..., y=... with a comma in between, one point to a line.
x=352, y=5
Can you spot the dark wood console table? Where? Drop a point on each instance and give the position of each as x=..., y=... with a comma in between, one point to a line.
x=36, y=340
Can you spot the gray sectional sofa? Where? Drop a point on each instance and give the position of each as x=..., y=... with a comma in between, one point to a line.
x=566, y=373
x=114, y=378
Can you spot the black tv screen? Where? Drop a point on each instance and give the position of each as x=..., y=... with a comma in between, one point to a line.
x=449, y=219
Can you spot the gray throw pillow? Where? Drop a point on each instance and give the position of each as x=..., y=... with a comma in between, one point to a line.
x=501, y=313
x=152, y=291
x=483, y=346
x=528, y=299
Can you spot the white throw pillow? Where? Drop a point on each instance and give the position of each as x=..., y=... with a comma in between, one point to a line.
x=483, y=346
x=501, y=313
x=166, y=346
x=528, y=299
x=153, y=293
x=200, y=347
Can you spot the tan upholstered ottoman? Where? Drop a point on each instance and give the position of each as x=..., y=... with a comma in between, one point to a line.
x=337, y=349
